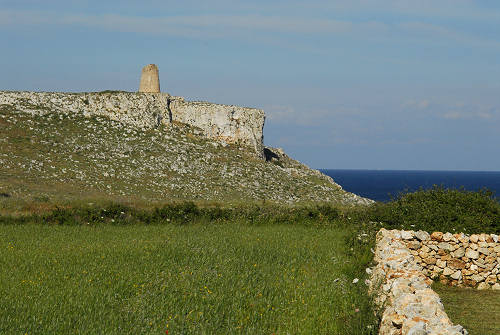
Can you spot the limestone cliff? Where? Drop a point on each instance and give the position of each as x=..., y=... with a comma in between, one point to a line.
x=231, y=124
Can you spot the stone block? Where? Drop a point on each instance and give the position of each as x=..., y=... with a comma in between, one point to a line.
x=472, y=254
x=460, y=252
x=477, y=278
x=463, y=238
x=447, y=237
x=456, y=264
x=440, y=263
x=490, y=259
x=430, y=260
x=422, y=235
x=407, y=234
x=437, y=236
x=425, y=249
x=413, y=245
x=457, y=275
x=445, y=246
x=423, y=255
x=474, y=238
x=433, y=247
x=491, y=279
x=483, y=286
x=447, y=271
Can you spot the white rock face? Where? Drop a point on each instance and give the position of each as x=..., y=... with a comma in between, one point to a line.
x=230, y=124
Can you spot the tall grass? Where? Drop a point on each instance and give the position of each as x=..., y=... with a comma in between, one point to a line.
x=217, y=278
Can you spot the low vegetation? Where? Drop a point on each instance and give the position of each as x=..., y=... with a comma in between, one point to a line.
x=475, y=310
x=440, y=209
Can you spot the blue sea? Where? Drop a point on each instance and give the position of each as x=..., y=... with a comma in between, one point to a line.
x=381, y=185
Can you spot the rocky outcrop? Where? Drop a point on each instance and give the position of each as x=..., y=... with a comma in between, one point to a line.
x=411, y=307
x=51, y=152
x=231, y=124
x=228, y=124
x=278, y=157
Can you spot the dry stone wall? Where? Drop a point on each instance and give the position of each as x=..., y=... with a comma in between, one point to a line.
x=457, y=259
x=410, y=305
x=230, y=124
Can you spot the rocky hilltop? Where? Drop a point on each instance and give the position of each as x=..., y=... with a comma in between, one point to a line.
x=150, y=147
x=232, y=124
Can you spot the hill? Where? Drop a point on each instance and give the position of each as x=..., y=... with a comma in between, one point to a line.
x=50, y=153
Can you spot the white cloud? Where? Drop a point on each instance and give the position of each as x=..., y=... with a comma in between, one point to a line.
x=234, y=25
x=304, y=116
x=417, y=104
x=453, y=9
x=472, y=113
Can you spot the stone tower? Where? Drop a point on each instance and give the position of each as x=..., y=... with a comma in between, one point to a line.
x=150, y=79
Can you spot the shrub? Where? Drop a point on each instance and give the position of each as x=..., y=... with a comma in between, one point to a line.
x=441, y=209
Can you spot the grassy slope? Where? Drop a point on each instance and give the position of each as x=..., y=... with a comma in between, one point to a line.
x=203, y=278
x=477, y=311
x=68, y=157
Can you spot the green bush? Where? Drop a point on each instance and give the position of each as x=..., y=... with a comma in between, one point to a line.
x=441, y=209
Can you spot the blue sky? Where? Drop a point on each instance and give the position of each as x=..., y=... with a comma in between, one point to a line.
x=358, y=84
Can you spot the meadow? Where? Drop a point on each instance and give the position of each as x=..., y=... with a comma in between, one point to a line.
x=202, y=278
x=186, y=268
x=476, y=310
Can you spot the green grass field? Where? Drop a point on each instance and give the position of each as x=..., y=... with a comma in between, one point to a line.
x=215, y=278
x=477, y=311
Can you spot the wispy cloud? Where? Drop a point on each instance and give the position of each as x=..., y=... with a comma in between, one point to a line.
x=304, y=116
x=233, y=25
x=470, y=115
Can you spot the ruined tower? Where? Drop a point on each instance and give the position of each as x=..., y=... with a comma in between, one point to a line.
x=150, y=79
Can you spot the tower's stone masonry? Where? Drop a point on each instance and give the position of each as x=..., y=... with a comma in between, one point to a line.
x=150, y=79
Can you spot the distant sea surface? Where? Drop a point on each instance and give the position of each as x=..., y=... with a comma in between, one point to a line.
x=380, y=185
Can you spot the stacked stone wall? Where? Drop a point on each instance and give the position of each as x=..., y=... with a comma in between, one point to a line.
x=457, y=259
x=407, y=263
x=410, y=306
